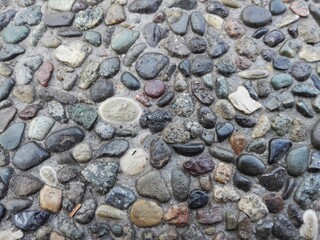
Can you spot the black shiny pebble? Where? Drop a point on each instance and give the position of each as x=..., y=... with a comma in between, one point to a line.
x=165, y=99
x=188, y=149
x=293, y=31
x=273, y=38
x=241, y=182
x=288, y=188
x=316, y=81
x=260, y=33
x=305, y=108
x=268, y=54
x=250, y=165
x=197, y=199
x=30, y=220
x=281, y=63
x=278, y=147
x=224, y=130
x=184, y=67
x=245, y=122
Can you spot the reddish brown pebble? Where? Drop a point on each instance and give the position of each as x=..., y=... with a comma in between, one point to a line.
x=242, y=62
x=6, y=116
x=44, y=73
x=29, y=112
x=199, y=165
x=274, y=202
x=237, y=142
x=143, y=99
x=154, y=88
x=234, y=28
x=159, y=17
x=300, y=7
x=210, y=215
x=177, y=215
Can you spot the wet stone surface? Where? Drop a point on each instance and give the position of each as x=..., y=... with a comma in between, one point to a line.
x=159, y=119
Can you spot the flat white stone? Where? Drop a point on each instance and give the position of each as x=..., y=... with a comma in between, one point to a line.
x=242, y=101
x=49, y=175
x=253, y=74
x=309, y=53
x=73, y=53
x=40, y=127
x=287, y=20
x=214, y=21
x=120, y=110
x=134, y=161
x=61, y=5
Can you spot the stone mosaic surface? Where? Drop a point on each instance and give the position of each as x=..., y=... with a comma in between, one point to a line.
x=159, y=119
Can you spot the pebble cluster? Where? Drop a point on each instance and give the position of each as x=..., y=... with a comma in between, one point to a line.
x=159, y=119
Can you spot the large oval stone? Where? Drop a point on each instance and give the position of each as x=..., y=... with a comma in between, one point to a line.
x=250, y=165
x=120, y=110
x=255, y=16
x=64, y=139
x=29, y=155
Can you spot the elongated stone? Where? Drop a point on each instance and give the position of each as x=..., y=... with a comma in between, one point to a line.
x=253, y=74
x=297, y=160
x=188, y=149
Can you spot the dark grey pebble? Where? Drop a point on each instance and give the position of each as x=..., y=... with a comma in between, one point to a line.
x=101, y=90
x=198, y=23
x=29, y=155
x=149, y=65
x=130, y=81
x=114, y=148
x=241, y=182
x=157, y=120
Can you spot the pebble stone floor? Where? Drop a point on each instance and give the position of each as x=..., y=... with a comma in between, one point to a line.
x=159, y=119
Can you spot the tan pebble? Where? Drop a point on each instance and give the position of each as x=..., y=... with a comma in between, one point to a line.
x=223, y=172
x=146, y=213
x=237, y=142
x=50, y=199
x=262, y=126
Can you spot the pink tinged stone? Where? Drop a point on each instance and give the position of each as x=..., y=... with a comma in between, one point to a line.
x=143, y=99
x=154, y=88
x=50, y=199
x=44, y=73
